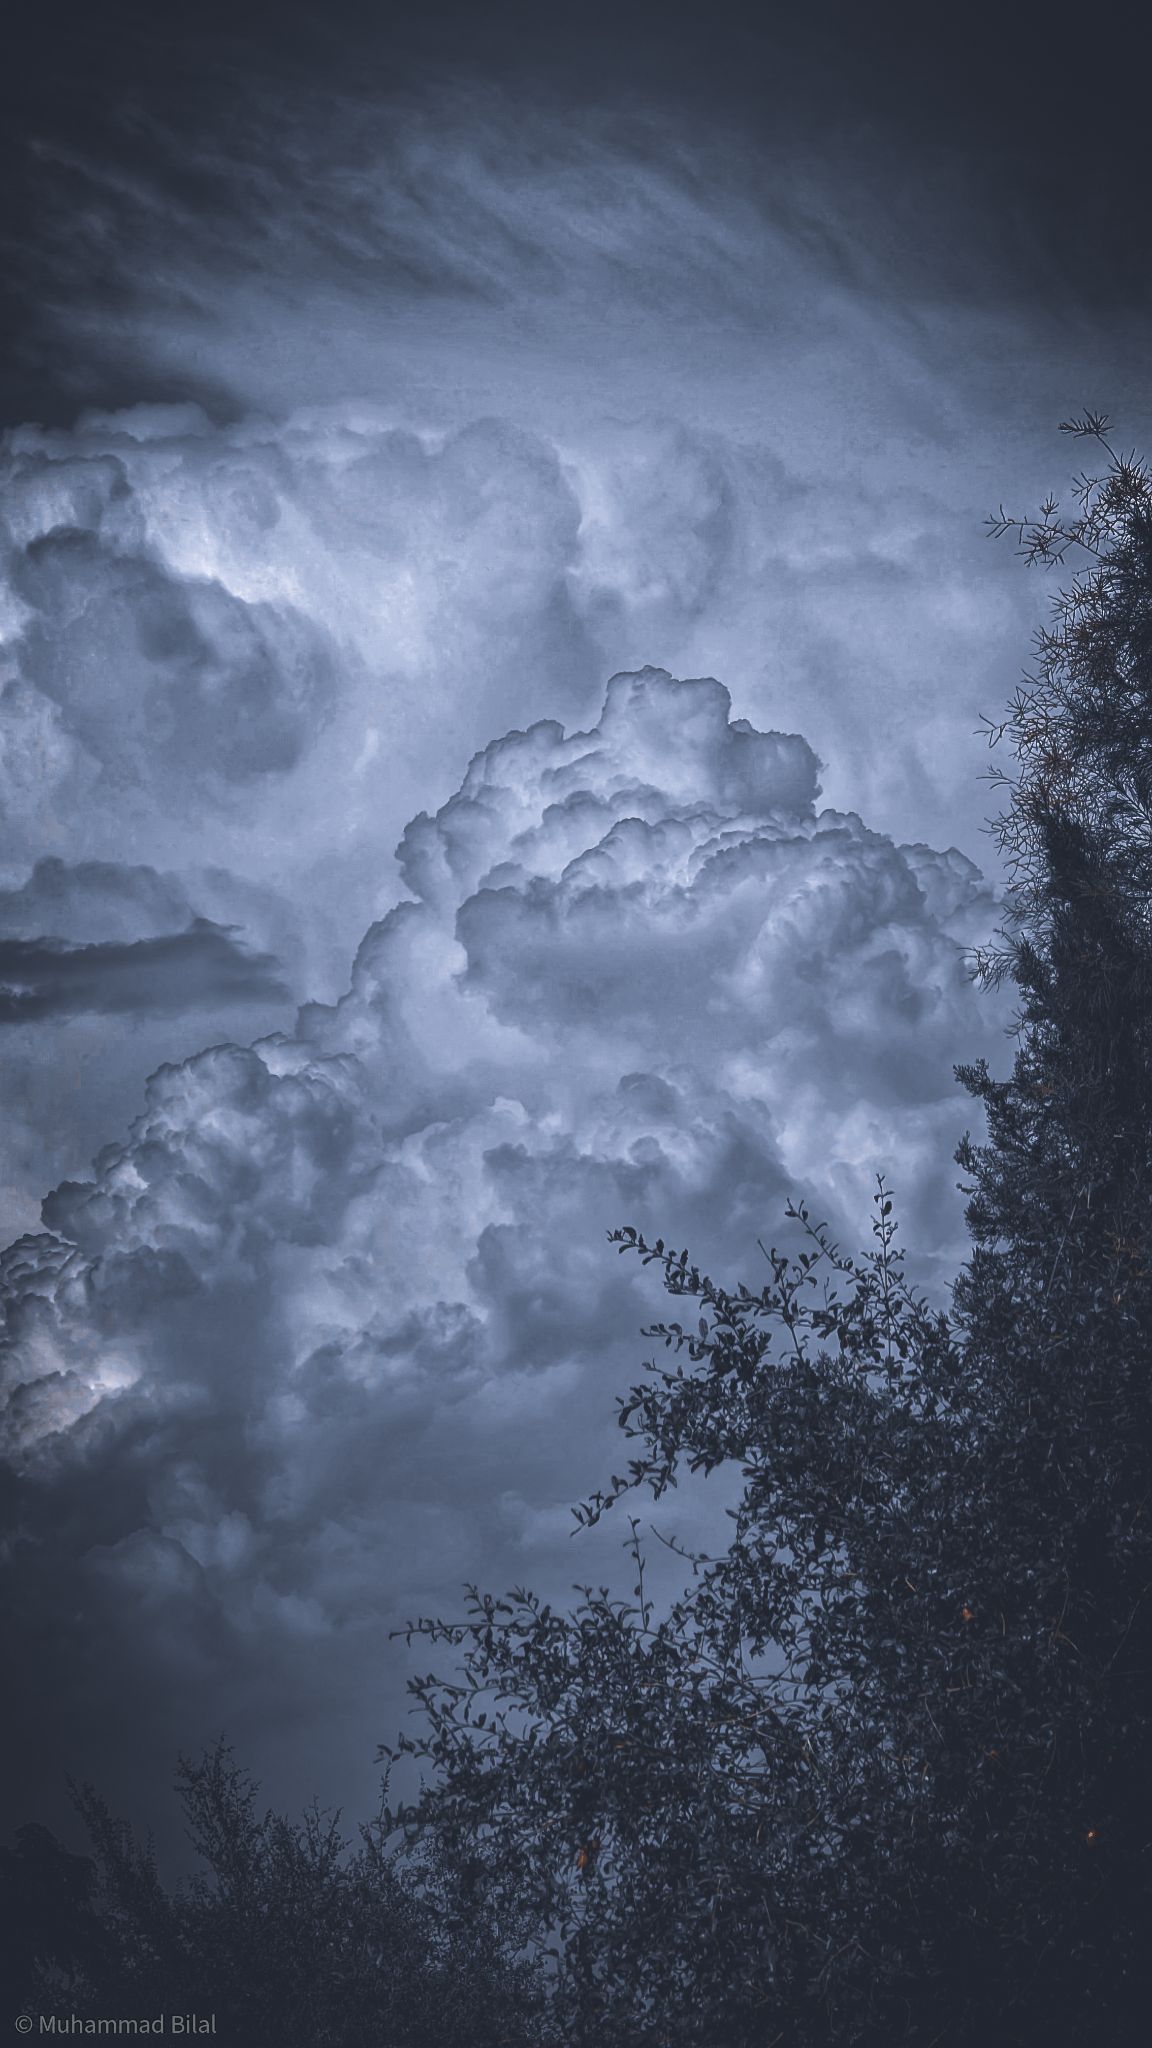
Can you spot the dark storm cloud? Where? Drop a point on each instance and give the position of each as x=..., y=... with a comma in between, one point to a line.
x=94, y=900
x=201, y=968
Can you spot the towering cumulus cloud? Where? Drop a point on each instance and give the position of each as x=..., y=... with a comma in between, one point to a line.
x=336, y=1327
x=235, y=657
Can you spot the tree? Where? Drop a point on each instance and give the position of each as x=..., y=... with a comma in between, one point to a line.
x=883, y=1772
x=292, y=1936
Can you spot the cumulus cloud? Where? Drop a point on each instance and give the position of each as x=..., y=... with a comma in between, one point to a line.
x=226, y=657
x=228, y=631
x=336, y=1326
x=244, y=631
x=238, y=655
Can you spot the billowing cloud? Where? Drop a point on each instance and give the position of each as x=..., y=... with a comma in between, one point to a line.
x=245, y=633
x=239, y=655
x=240, y=634
x=336, y=1327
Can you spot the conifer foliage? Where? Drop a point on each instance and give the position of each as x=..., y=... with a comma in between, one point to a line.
x=882, y=1774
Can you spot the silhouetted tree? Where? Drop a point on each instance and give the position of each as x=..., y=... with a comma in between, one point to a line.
x=289, y=1934
x=883, y=1773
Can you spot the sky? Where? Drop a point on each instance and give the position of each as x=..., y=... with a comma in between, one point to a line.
x=495, y=622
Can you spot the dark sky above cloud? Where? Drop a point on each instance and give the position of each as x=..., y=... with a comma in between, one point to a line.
x=970, y=157
x=380, y=383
